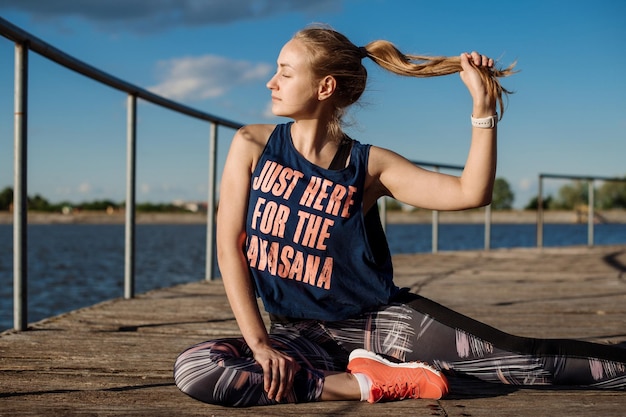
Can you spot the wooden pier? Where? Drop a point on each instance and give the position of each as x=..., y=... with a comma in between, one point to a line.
x=115, y=358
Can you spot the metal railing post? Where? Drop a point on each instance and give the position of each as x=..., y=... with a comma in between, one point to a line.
x=131, y=158
x=540, y=213
x=435, y=232
x=20, y=196
x=590, y=213
x=211, y=203
x=488, y=227
x=435, y=227
x=590, y=204
x=383, y=213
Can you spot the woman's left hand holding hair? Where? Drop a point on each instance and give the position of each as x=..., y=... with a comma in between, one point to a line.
x=471, y=63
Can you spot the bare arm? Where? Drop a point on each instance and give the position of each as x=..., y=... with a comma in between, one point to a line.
x=246, y=147
x=391, y=174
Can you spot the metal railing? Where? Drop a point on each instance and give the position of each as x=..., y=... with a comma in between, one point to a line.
x=25, y=42
x=590, y=202
x=435, y=214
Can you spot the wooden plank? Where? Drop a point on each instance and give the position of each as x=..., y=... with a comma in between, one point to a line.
x=116, y=358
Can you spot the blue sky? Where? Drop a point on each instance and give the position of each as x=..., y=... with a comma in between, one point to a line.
x=567, y=116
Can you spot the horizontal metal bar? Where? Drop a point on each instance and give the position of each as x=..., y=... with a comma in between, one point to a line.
x=581, y=177
x=435, y=165
x=37, y=45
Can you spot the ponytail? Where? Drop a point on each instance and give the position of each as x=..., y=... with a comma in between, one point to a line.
x=386, y=55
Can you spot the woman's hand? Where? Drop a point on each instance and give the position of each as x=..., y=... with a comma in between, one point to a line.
x=472, y=64
x=279, y=371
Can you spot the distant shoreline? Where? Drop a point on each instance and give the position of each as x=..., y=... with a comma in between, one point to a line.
x=393, y=217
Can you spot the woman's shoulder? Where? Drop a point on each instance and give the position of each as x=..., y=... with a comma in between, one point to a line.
x=255, y=134
x=249, y=143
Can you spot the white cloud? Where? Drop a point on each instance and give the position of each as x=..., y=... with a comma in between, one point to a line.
x=203, y=77
x=85, y=188
x=525, y=184
x=63, y=191
x=201, y=189
x=153, y=16
x=163, y=191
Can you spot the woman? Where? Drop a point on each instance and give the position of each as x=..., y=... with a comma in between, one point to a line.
x=298, y=226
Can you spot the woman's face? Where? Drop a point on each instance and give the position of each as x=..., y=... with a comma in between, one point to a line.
x=294, y=89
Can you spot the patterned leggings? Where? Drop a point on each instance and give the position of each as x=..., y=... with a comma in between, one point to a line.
x=224, y=372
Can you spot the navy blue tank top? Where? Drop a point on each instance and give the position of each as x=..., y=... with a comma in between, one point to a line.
x=307, y=244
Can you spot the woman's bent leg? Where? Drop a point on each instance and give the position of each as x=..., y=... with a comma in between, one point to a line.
x=224, y=372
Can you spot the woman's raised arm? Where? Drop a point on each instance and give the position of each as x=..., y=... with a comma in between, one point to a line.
x=393, y=175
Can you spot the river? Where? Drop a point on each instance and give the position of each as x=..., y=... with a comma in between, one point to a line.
x=76, y=265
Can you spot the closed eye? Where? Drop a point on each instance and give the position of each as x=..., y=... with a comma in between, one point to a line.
x=284, y=70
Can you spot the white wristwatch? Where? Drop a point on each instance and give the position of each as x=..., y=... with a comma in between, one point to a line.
x=485, y=122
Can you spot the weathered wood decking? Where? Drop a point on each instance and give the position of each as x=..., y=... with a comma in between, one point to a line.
x=116, y=358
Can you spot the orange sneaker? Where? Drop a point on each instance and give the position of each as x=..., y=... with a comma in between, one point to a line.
x=397, y=381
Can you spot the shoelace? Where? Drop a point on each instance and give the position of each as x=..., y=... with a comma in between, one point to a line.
x=399, y=391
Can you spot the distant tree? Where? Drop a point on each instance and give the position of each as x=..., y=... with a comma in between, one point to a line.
x=99, y=205
x=6, y=198
x=38, y=203
x=572, y=195
x=502, y=195
x=612, y=194
x=533, y=204
x=159, y=208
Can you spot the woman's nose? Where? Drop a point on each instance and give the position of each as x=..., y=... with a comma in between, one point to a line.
x=271, y=84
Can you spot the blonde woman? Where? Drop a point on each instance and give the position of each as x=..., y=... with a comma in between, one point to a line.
x=298, y=227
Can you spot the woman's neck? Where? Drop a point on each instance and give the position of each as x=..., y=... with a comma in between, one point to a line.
x=312, y=140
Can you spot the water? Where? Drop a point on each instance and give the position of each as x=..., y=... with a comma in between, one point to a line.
x=416, y=238
x=72, y=266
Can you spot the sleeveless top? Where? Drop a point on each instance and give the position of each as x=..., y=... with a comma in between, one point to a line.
x=307, y=245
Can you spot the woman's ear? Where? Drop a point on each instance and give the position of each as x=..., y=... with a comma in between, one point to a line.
x=326, y=87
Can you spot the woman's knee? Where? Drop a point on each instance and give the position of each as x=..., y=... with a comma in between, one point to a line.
x=199, y=370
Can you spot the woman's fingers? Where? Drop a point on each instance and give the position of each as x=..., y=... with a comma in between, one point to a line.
x=287, y=374
x=480, y=60
x=475, y=83
x=275, y=378
x=267, y=375
x=278, y=375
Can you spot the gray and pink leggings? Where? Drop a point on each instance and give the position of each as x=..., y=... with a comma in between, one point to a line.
x=223, y=371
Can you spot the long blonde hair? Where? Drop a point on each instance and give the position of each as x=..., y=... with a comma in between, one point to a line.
x=386, y=55
x=332, y=53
